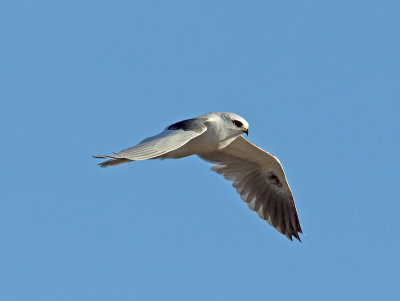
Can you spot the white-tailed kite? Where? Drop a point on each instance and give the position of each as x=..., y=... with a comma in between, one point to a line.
x=216, y=137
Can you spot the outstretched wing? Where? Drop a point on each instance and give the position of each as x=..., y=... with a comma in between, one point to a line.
x=259, y=179
x=172, y=138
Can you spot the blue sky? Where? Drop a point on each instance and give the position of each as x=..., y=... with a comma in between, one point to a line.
x=318, y=82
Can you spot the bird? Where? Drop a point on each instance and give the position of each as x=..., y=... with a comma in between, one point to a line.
x=217, y=137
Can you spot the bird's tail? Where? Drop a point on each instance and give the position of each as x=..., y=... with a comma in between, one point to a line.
x=112, y=162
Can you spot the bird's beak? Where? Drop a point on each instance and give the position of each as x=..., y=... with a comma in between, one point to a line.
x=246, y=131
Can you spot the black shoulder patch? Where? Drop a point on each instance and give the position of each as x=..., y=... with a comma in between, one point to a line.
x=273, y=179
x=196, y=125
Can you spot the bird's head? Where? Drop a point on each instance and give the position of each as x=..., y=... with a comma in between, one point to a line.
x=236, y=124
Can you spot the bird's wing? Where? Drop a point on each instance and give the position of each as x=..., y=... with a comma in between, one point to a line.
x=172, y=138
x=259, y=179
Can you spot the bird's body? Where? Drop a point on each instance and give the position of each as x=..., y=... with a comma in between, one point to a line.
x=216, y=137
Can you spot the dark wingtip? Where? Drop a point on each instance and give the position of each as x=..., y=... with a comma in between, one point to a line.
x=297, y=236
x=114, y=162
x=111, y=162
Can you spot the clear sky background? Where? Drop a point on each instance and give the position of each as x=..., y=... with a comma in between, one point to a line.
x=318, y=82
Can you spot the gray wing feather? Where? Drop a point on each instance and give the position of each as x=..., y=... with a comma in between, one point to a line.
x=172, y=138
x=259, y=179
x=158, y=145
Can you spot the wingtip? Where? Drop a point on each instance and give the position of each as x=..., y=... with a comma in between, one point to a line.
x=105, y=163
x=296, y=235
x=113, y=161
x=100, y=157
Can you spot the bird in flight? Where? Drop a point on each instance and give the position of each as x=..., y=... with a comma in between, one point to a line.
x=257, y=175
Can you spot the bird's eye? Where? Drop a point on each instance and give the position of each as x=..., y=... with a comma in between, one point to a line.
x=237, y=123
